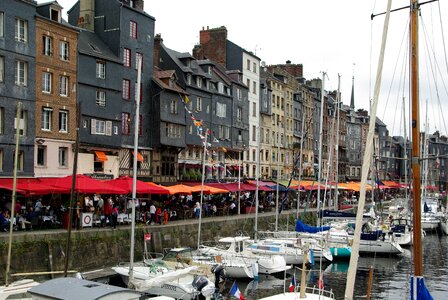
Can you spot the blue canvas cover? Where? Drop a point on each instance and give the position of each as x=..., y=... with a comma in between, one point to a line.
x=302, y=227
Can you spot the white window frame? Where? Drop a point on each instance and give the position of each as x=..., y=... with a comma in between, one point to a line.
x=221, y=87
x=64, y=50
x=133, y=29
x=173, y=107
x=21, y=30
x=22, y=123
x=46, y=82
x=2, y=24
x=63, y=121
x=21, y=67
x=44, y=162
x=2, y=68
x=47, y=45
x=98, y=127
x=199, y=104
x=63, y=86
x=138, y=57
x=189, y=79
x=46, y=118
x=199, y=81
x=100, y=69
x=239, y=113
x=100, y=98
x=221, y=109
x=63, y=157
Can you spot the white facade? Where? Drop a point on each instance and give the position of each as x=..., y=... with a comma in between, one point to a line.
x=251, y=77
x=53, y=158
x=86, y=163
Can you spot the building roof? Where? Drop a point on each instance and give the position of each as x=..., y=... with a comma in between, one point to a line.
x=160, y=77
x=90, y=44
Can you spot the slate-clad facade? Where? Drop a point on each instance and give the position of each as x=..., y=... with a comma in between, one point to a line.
x=17, y=83
x=124, y=35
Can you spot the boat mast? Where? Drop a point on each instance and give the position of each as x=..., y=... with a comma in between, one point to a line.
x=319, y=172
x=204, y=153
x=300, y=159
x=134, y=167
x=353, y=265
x=257, y=184
x=405, y=154
x=418, y=264
x=338, y=112
x=14, y=188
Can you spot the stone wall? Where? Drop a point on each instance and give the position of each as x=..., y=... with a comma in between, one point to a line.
x=44, y=251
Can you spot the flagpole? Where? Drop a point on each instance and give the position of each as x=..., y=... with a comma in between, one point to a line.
x=204, y=153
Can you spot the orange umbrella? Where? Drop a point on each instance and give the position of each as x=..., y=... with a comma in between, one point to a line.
x=181, y=189
x=211, y=190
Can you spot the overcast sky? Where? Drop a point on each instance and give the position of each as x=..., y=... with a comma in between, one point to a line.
x=337, y=37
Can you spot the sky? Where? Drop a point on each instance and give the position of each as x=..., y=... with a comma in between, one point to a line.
x=335, y=37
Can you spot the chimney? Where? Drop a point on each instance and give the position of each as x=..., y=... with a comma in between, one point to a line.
x=214, y=43
x=197, y=52
x=86, y=14
x=157, y=41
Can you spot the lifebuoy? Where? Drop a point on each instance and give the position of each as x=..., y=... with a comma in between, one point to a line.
x=87, y=219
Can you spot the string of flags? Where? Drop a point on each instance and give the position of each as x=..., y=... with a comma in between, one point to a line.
x=203, y=132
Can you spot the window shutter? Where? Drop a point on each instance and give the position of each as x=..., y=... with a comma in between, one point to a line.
x=109, y=128
x=93, y=126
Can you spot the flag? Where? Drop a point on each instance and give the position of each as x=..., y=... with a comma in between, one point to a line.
x=186, y=100
x=320, y=282
x=235, y=291
x=292, y=285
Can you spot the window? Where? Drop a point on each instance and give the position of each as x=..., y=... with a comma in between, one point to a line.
x=46, y=118
x=199, y=81
x=46, y=82
x=254, y=133
x=173, y=107
x=248, y=83
x=62, y=157
x=63, y=121
x=98, y=127
x=199, y=104
x=21, y=30
x=220, y=87
x=2, y=22
x=20, y=160
x=254, y=66
x=63, y=50
x=239, y=94
x=100, y=98
x=47, y=45
x=221, y=110
x=21, y=73
x=2, y=68
x=133, y=29
x=254, y=87
x=126, y=92
x=115, y=130
x=41, y=155
x=22, y=123
x=254, y=109
x=172, y=130
x=127, y=57
x=138, y=57
x=2, y=120
x=248, y=64
x=239, y=113
x=63, y=86
x=100, y=69
x=125, y=123
x=189, y=79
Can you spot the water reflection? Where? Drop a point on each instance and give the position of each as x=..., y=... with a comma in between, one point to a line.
x=391, y=275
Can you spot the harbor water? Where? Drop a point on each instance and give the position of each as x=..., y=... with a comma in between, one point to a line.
x=391, y=275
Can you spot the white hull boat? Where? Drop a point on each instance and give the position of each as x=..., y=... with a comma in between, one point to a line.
x=430, y=222
x=234, y=268
x=444, y=224
x=17, y=290
x=234, y=249
x=292, y=253
x=310, y=294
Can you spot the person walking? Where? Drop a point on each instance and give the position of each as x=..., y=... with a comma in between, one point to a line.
x=152, y=212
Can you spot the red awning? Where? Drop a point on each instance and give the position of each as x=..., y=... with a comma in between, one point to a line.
x=30, y=186
x=142, y=187
x=85, y=184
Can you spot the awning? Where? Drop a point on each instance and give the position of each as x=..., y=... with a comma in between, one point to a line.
x=139, y=156
x=101, y=156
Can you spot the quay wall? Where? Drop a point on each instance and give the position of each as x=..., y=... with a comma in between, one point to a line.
x=95, y=248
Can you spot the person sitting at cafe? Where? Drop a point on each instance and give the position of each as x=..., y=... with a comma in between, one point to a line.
x=4, y=220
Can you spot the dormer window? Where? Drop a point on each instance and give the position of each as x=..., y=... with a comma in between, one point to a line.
x=189, y=79
x=199, y=81
x=55, y=15
x=209, y=70
x=188, y=63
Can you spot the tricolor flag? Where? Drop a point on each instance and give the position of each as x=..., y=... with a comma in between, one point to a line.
x=292, y=285
x=235, y=291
